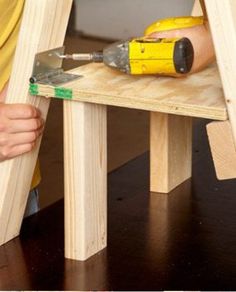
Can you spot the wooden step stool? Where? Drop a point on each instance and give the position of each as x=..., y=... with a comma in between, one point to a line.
x=172, y=103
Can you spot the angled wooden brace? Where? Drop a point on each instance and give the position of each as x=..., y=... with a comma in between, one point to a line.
x=222, y=135
x=43, y=27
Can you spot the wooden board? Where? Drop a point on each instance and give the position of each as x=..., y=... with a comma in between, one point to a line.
x=222, y=19
x=43, y=27
x=222, y=149
x=199, y=95
x=85, y=172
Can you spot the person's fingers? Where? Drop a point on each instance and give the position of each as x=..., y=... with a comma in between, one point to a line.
x=16, y=150
x=19, y=111
x=26, y=125
x=23, y=138
x=20, y=127
x=191, y=32
x=165, y=34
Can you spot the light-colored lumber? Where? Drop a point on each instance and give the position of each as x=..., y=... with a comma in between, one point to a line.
x=199, y=95
x=43, y=27
x=222, y=19
x=197, y=8
x=222, y=136
x=85, y=171
x=170, y=151
x=222, y=149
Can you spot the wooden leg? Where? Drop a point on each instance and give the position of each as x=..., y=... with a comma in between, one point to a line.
x=43, y=27
x=85, y=159
x=170, y=151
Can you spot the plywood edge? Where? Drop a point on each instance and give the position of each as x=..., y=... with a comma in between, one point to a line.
x=177, y=108
x=222, y=149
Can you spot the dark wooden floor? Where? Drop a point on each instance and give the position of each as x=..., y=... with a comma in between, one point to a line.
x=183, y=241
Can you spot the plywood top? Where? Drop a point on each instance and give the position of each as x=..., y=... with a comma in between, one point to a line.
x=198, y=95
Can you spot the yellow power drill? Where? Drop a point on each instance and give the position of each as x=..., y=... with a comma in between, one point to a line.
x=145, y=55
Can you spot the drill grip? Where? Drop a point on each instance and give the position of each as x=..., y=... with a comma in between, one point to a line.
x=183, y=56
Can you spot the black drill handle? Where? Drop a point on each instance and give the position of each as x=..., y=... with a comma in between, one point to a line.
x=183, y=56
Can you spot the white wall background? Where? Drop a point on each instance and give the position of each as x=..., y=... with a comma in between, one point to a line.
x=120, y=19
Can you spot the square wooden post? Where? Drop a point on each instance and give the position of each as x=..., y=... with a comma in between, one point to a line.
x=85, y=171
x=170, y=151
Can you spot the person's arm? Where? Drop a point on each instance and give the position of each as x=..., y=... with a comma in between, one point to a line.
x=20, y=127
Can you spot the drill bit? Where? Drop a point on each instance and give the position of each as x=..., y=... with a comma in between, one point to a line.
x=94, y=57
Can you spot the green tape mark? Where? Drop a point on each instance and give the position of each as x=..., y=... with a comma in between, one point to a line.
x=33, y=89
x=64, y=93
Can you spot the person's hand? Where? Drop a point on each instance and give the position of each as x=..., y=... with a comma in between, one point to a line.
x=20, y=127
x=201, y=39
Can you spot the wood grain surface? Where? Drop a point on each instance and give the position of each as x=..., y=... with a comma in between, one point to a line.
x=170, y=151
x=222, y=149
x=85, y=178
